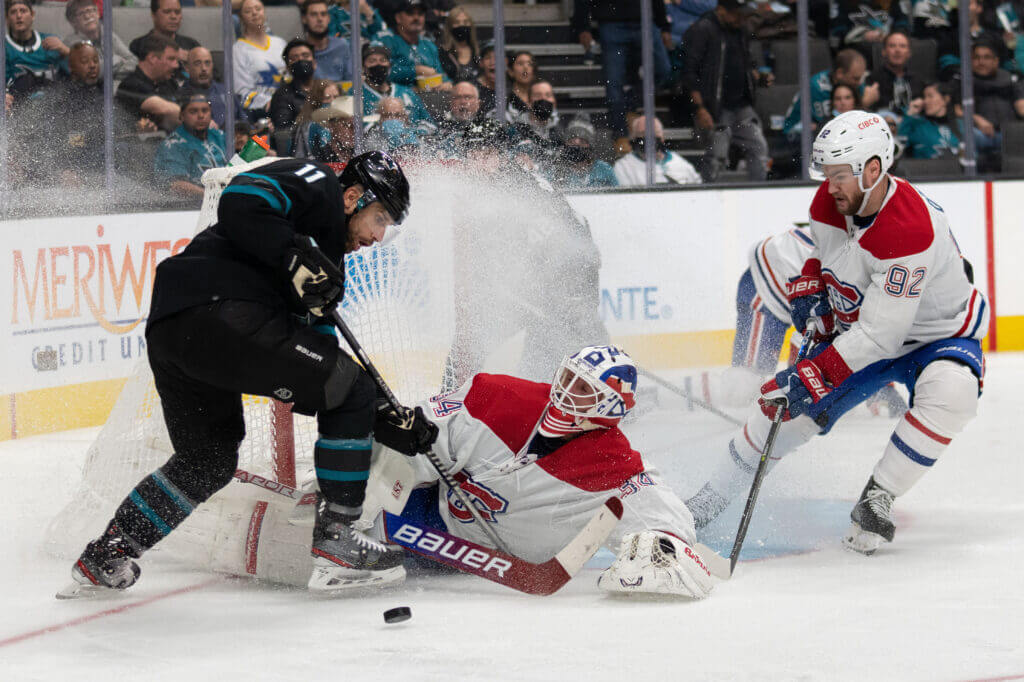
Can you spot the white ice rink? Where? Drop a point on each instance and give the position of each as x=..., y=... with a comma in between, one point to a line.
x=944, y=602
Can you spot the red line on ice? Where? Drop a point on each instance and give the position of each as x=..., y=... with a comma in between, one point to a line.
x=109, y=612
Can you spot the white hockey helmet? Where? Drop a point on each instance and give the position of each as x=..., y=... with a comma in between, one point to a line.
x=853, y=137
x=597, y=384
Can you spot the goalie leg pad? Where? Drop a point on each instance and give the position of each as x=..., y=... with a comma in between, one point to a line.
x=657, y=563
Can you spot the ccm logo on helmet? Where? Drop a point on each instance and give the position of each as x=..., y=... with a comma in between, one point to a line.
x=868, y=123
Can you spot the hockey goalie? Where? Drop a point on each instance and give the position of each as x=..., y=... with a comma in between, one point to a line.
x=538, y=460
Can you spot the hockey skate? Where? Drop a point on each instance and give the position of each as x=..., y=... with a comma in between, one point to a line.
x=106, y=566
x=657, y=563
x=872, y=520
x=345, y=557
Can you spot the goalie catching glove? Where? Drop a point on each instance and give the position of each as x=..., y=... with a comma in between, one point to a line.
x=658, y=563
x=408, y=431
x=318, y=283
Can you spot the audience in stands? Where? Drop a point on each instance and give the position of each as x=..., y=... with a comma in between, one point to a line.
x=149, y=93
x=845, y=98
x=860, y=23
x=848, y=68
x=930, y=130
x=333, y=55
x=84, y=17
x=998, y=98
x=577, y=164
x=719, y=74
x=392, y=132
x=199, y=67
x=34, y=60
x=309, y=139
x=522, y=73
x=485, y=82
x=984, y=25
x=669, y=167
x=258, y=61
x=166, y=15
x=897, y=87
x=193, y=148
x=243, y=131
x=415, y=61
x=371, y=24
x=459, y=47
x=540, y=131
x=338, y=145
x=287, y=101
x=377, y=70
x=683, y=13
x=618, y=25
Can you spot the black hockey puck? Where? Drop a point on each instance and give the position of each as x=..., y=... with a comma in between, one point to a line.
x=397, y=614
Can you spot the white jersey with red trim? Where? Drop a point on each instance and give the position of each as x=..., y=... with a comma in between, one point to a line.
x=538, y=507
x=895, y=284
x=776, y=260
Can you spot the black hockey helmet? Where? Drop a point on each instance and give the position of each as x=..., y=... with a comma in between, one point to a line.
x=382, y=179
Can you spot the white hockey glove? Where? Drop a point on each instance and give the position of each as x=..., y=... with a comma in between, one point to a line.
x=654, y=562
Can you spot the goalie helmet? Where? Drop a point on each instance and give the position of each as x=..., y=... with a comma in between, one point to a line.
x=382, y=180
x=596, y=387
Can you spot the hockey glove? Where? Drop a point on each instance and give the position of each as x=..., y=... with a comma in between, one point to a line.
x=808, y=300
x=318, y=283
x=408, y=431
x=801, y=385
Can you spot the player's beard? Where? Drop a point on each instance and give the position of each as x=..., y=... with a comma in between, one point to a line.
x=850, y=205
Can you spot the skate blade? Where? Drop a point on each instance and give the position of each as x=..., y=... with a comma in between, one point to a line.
x=331, y=580
x=76, y=590
x=861, y=541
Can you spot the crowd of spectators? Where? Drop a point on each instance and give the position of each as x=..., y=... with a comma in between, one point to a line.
x=429, y=83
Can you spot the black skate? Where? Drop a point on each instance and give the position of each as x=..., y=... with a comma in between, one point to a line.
x=345, y=557
x=872, y=520
x=105, y=566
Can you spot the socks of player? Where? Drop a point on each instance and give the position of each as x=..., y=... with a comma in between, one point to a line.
x=342, y=469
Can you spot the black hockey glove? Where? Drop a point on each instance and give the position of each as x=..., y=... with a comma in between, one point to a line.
x=408, y=432
x=318, y=282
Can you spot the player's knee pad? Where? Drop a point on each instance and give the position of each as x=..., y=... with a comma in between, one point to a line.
x=946, y=396
x=349, y=415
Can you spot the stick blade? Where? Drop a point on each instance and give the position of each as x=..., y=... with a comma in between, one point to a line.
x=719, y=566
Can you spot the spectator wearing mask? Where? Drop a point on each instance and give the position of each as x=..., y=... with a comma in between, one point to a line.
x=485, y=82
x=337, y=119
x=522, y=73
x=849, y=68
x=897, y=87
x=199, y=67
x=166, y=15
x=459, y=48
x=930, y=130
x=258, y=64
x=84, y=17
x=618, y=24
x=192, y=149
x=371, y=24
x=309, y=139
x=289, y=98
x=669, y=168
x=333, y=55
x=412, y=54
x=149, y=93
x=392, y=133
x=541, y=121
x=377, y=70
x=719, y=74
x=34, y=60
x=577, y=166
x=998, y=98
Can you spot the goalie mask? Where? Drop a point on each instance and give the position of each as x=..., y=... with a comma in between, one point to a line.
x=595, y=388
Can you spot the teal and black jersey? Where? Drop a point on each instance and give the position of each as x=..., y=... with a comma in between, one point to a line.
x=30, y=62
x=405, y=58
x=821, y=102
x=413, y=104
x=183, y=156
x=242, y=255
x=928, y=138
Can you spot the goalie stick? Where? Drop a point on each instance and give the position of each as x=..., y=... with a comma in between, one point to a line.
x=468, y=557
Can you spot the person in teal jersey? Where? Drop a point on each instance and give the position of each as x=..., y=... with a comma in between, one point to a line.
x=576, y=165
x=34, y=59
x=849, y=69
x=371, y=24
x=189, y=151
x=931, y=129
x=413, y=54
x=377, y=86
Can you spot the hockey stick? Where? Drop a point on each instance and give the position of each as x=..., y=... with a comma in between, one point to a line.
x=503, y=568
x=689, y=397
x=469, y=557
x=762, y=465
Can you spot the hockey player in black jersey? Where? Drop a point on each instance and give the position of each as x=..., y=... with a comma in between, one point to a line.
x=241, y=310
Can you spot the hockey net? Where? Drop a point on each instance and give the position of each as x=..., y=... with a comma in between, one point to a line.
x=399, y=303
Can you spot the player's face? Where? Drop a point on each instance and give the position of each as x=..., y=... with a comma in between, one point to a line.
x=844, y=187
x=367, y=227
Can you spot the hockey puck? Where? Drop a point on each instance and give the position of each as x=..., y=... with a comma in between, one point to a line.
x=398, y=614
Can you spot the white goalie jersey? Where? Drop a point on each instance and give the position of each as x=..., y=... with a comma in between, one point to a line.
x=535, y=507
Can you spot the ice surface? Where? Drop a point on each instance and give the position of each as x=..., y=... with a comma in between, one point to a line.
x=944, y=602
